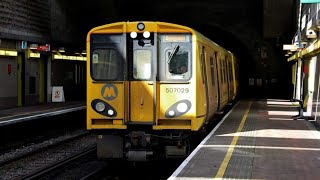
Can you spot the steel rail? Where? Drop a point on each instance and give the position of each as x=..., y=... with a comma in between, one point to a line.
x=51, y=168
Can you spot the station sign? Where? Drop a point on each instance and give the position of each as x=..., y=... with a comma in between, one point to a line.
x=45, y=47
x=309, y=1
x=57, y=94
x=24, y=45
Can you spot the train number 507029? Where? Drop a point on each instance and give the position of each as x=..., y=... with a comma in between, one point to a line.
x=177, y=90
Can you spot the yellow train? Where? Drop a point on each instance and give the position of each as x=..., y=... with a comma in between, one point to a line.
x=151, y=85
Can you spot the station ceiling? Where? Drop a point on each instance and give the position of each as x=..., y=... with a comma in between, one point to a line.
x=266, y=18
x=227, y=22
x=253, y=29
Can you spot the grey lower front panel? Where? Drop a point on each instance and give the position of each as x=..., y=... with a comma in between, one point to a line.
x=109, y=146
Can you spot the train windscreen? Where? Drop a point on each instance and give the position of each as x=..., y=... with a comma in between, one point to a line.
x=106, y=57
x=175, y=50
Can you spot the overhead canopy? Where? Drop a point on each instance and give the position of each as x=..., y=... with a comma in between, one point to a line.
x=313, y=49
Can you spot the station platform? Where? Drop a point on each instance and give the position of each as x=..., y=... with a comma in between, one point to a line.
x=26, y=113
x=257, y=139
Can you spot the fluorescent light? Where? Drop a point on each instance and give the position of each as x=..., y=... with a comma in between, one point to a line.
x=8, y=53
x=34, y=55
x=64, y=57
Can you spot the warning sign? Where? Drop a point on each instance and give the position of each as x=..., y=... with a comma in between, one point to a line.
x=57, y=94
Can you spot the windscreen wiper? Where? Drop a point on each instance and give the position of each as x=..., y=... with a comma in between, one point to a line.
x=174, y=51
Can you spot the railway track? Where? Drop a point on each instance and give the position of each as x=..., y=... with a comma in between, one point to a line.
x=21, y=153
x=40, y=163
x=47, y=170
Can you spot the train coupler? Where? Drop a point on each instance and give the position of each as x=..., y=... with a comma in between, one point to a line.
x=139, y=155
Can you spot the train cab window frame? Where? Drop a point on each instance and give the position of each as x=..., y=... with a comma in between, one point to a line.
x=105, y=64
x=106, y=57
x=177, y=63
x=176, y=57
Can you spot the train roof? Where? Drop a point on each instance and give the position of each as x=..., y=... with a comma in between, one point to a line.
x=152, y=26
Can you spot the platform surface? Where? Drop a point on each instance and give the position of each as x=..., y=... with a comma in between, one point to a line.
x=20, y=114
x=257, y=139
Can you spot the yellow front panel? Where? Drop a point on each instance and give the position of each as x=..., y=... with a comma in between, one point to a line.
x=141, y=101
x=172, y=93
x=112, y=93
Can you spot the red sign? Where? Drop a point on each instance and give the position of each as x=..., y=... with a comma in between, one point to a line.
x=44, y=48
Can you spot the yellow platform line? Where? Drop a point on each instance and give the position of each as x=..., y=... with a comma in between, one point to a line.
x=224, y=164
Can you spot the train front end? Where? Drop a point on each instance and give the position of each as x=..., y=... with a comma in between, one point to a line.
x=141, y=89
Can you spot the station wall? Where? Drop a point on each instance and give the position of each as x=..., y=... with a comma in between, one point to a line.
x=8, y=79
x=32, y=83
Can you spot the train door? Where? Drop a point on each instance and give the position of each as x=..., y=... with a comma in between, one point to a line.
x=214, y=82
x=204, y=76
x=219, y=79
x=230, y=81
x=223, y=89
x=142, y=82
x=226, y=66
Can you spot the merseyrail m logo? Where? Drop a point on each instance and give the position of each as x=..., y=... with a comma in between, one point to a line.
x=109, y=92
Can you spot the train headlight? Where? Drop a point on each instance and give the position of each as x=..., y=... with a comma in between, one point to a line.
x=140, y=26
x=178, y=109
x=103, y=108
x=146, y=34
x=110, y=112
x=133, y=35
x=100, y=107
x=182, y=107
x=171, y=113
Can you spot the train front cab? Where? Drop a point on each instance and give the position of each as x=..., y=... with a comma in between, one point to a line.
x=133, y=97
